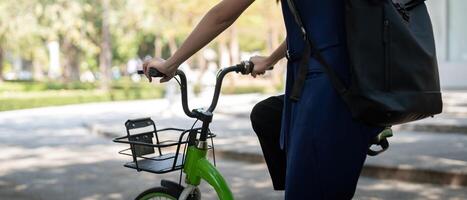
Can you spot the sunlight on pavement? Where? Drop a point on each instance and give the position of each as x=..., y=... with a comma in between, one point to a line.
x=49, y=153
x=52, y=157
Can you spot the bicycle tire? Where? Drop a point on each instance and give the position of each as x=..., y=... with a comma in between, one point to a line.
x=159, y=193
x=166, y=193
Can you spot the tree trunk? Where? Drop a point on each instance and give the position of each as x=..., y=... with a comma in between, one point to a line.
x=37, y=72
x=274, y=41
x=73, y=66
x=71, y=62
x=105, y=56
x=158, y=47
x=172, y=45
x=1, y=65
x=225, y=56
x=234, y=51
x=202, y=66
x=200, y=61
x=66, y=63
x=234, y=45
x=225, y=59
x=54, y=60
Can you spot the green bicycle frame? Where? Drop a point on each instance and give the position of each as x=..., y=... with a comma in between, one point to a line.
x=198, y=168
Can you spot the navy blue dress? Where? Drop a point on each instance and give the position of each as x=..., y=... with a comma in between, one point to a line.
x=325, y=147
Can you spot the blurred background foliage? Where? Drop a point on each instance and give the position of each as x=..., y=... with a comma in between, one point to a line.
x=97, y=39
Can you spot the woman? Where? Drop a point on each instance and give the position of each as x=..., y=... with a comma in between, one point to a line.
x=323, y=148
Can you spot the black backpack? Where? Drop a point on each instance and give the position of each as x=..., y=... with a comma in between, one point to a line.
x=394, y=71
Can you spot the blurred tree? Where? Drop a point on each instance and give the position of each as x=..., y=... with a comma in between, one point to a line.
x=134, y=30
x=64, y=21
x=5, y=30
x=18, y=26
x=105, y=56
x=1, y=65
x=264, y=30
x=95, y=35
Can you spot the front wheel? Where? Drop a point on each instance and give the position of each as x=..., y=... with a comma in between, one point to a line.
x=159, y=193
x=167, y=193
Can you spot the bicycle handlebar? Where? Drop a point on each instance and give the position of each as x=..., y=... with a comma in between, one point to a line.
x=245, y=67
x=152, y=72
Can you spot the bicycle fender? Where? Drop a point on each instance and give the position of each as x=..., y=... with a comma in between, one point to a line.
x=211, y=175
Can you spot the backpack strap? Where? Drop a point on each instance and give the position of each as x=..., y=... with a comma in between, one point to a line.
x=412, y=4
x=311, y=50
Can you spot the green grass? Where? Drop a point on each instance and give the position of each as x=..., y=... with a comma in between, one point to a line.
x=243, y=90
x=30, y=86
x=21, y=95
x=55, y=98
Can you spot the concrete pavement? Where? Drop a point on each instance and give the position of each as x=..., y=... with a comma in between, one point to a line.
x=49, y=153
x=452, y=120
x=426, y=157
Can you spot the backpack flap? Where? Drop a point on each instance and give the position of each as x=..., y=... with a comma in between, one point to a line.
x=393, y=61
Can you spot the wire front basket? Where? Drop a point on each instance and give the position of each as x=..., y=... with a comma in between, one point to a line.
x=156, y=151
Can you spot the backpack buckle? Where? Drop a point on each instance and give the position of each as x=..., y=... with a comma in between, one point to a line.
x=380, y=140
x=405, y=14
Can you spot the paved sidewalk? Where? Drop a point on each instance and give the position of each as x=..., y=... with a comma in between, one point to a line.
x=423, y=157
x=452, y=120
x=50, y=153
x=414, y=156
x=455, y=102
x=443, y=123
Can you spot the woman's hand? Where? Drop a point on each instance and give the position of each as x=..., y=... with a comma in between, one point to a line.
x=262, y=64
x=162, y=66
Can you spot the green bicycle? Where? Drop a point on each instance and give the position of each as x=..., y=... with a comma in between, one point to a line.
x=147, y=147
x=192, y=160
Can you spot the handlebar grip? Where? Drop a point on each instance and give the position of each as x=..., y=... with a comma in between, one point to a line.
x=247, y=67
x=153, y=72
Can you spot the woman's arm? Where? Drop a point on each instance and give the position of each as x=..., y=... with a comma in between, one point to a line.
x=278, y=54
x=264, y=63
x=219, y=18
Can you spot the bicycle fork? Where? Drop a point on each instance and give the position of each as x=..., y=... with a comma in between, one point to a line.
x=198, y=168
